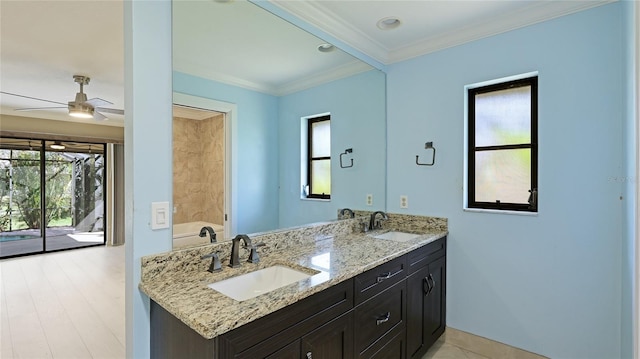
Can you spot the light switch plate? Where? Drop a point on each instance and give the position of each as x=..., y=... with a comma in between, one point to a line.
x=160, y=215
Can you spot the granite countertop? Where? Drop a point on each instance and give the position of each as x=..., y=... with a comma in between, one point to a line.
x=178, y=281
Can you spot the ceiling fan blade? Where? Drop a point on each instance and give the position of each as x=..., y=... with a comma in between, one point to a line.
x=37, y=108
x=98, y=116
x=32, y=98
x=97, y=102
x=110, y=110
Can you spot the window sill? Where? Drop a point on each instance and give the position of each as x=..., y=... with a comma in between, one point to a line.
x=498, y=211
x=315, y=199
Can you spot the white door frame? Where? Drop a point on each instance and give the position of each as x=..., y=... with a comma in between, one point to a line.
x=230, y=111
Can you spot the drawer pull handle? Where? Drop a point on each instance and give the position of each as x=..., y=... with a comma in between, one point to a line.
x=433, y=281
x=309, y=356
x=383, y=319
x=384, y=276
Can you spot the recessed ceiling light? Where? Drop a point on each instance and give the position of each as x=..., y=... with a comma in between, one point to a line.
x=389, y=23
x=326, y=48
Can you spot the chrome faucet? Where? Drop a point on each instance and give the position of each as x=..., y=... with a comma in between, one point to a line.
x=376, y=224
x=348, y=210
x=212, y=233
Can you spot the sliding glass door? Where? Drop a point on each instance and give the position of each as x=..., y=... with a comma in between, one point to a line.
x=51, y=196
x=20, y=196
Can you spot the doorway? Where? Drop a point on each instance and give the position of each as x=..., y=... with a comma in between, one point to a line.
x=201, y=155
x=52, y=195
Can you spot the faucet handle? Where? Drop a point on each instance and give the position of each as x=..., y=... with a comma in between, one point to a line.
x=253, y=255
x=215, y=265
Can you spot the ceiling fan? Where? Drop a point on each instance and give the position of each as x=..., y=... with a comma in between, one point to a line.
x=80, y=107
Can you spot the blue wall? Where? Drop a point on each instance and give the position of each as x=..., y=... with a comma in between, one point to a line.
x=357, y=107
x=550, y=283
x=257, y=149
x=629, y=181
x=147, y=66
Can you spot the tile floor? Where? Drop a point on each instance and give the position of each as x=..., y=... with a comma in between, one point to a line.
x=443, y=350
x=71, y=305
x=63, y=305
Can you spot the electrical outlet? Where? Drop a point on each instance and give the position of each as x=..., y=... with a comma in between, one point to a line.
x=404, y=201
x=369, y=200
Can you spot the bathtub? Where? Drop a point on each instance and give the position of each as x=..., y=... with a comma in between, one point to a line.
x=186, y=234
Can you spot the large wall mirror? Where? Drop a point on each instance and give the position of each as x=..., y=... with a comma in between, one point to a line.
x=244, y=80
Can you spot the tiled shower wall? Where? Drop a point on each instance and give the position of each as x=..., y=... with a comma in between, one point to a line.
x=198, y=170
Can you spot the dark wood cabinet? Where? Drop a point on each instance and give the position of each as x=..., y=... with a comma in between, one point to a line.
x=396, y=310
x=426, y=302
x=379, y=317
x=291, y=351
x=330, y=341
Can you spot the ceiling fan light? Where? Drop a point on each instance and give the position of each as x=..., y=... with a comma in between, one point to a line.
x=81, y=112
x=57, y=146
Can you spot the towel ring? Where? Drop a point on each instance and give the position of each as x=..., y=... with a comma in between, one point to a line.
x=428, y=145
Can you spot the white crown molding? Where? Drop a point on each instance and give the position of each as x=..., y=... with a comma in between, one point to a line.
x=343, y=71
x=536, y=13
x=206, y=73
x=319, y=16
x=337, y=73
x=315, y=14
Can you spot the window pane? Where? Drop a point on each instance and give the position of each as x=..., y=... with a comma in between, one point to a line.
x=503, y=117
x=321, y=177
x=503, y=175
x=20, y=213
x=321, y=139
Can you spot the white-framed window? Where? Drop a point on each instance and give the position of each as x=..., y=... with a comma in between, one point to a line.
x=501, y=144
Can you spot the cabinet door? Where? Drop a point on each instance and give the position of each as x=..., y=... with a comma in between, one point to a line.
x=333, y=340
x=426, y=301
x=435, y=305
x=417, y=289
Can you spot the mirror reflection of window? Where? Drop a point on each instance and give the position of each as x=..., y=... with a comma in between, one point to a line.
x=319, y=157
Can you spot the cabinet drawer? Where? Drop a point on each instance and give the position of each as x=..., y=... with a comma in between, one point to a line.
x=422, y=256
x=387, y=349
x=379, y=316
x=376, y=280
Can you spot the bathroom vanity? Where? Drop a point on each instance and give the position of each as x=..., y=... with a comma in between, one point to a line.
x=364, y=297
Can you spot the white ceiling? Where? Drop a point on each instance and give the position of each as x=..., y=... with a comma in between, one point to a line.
x=44, y=43
x=426, y=25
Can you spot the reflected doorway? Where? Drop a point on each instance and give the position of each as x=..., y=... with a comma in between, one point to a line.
x=199, y=174
x=51, y=196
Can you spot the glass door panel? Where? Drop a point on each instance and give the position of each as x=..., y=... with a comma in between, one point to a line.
x=20, y=197
x=74, y=196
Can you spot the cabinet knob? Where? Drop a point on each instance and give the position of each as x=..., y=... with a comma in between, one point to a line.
x=309, y=355
x=383, y=319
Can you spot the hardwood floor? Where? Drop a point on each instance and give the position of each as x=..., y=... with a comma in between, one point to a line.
x=63, y=305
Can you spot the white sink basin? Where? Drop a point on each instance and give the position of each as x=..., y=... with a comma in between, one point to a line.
x=397, y=236
x=262, y=281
